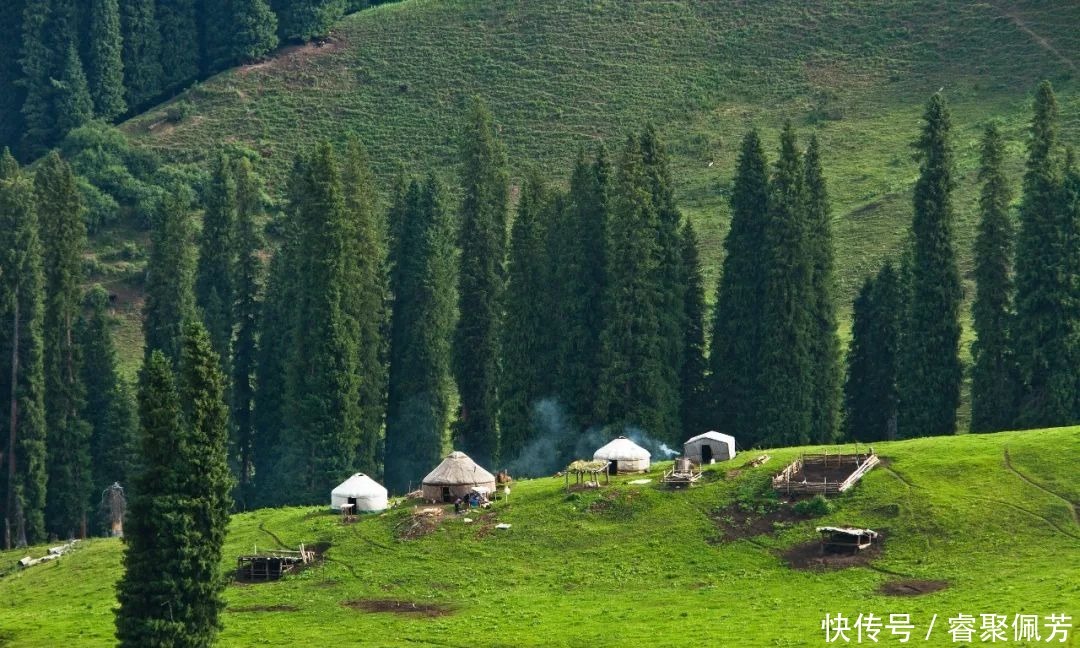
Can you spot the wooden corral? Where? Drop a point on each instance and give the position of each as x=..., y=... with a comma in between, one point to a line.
x=271, y=565
x=587, y=473
x=826, y=474
x=681, y=474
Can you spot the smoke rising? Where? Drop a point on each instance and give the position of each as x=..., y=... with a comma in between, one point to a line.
x=558, y=442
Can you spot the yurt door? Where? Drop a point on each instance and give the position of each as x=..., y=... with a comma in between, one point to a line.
x=352, y=501
x=706, y=454
x=613, y=467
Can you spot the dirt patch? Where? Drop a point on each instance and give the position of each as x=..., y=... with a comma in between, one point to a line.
x=738, y=523
x=291, y=57
x=912, y=587
x=406, y=608
x=809, y=555
x=419, y=524
x=281, y=607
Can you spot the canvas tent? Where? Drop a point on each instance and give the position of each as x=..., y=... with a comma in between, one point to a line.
x=364, y=493
x=456, y=476
x=624, y=456
x=709, y=447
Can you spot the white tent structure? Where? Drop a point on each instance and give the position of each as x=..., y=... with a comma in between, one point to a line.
x=624, y=456
x=364, y=493
x=456, y=476
x=709, y=447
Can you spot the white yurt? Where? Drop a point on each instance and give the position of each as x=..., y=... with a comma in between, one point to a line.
x=625, y=456
x=456, y=476
x=709, y=447
x=366, y=494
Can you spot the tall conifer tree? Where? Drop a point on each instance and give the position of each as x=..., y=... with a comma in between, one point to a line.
x=63, y=238
x=527, y=353
x=306, y=20
x=322, y=393
x=481, y=283
x=994, y=375
x=824, y=341
x=930, y=371
x=217, y=258
x=22, y=379
x=169, y=274
x=786, y=371
x=179, y=31
x=737, y=317
x=1044, y=328
x=365, y=300
x=693, y=387
x=74, y=106
x=104, y=62
x=246, y=304
x=238, y=31
x=423, y=284
x=11, y=73
x=870, y=396
x=141, y=54
x=41, y=63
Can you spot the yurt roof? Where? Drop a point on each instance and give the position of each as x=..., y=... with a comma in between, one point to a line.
x=359, y=485
x=713, y=435
x=458, y=469
x=621, y=449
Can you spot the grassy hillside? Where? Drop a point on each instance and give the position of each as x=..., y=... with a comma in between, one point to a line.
x=993, y=516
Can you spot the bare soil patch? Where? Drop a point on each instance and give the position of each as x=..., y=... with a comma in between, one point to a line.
x=281, y=607
x=737, y=523
x=422, y=522
x=912, y=587
x=396, y=606
x=810, y=556
x=291, y=57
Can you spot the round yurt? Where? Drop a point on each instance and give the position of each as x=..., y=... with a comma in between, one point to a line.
x=624, y=456
x=364, y=493
x=709, y=447
x=455, y=477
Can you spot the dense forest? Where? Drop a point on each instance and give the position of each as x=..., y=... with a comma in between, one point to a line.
x=66, y=62
x=376, y=339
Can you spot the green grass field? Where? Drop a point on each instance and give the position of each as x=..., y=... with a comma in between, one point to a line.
x=995, y=516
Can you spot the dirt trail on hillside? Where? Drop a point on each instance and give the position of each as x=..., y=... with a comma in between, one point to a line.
x=1074, y=507
x=1039, y=40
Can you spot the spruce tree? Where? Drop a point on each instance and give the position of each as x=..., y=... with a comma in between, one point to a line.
x=11, y=73
x=424, y=308
x=217, y=258
x=74, y=106
x=108, y=406
x=1044, y=327
x=247, y=276
x=238, y=31
x=786, y=370
x=305, y=20
x=824, y=341
x=170, y=593
x=737, y=316
x=40, y=66
x=480, y=286
x=156, y=528
x=322, y=395
x=930, y=371
x=169, y=274
x=994, y=388
x=104, y=61
x=870, y=396
x=365, y=293
x=527, y=360
x=632, y=385
x=577, y=259
x=670, y=280
x=141, y=54
x=179, y=39
x=692, y=381
x=22, y=380
x=205, y=482
x=63, y=238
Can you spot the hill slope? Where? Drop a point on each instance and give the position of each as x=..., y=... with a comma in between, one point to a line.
x=559, y=75
x=995, y=516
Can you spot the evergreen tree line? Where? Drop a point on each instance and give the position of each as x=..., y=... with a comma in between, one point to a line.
x=65, y=62
x=69, y=417
x=904, y=373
